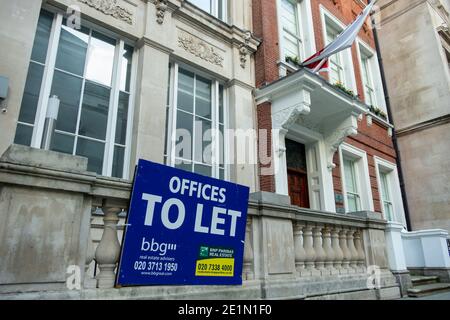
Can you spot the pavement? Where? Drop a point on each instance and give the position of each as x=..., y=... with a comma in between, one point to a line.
x=437, y=296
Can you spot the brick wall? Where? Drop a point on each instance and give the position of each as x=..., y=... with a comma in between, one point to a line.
x=266, y=182
x=374, y=140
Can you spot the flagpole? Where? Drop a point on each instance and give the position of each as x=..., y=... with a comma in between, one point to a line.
x=319, y=66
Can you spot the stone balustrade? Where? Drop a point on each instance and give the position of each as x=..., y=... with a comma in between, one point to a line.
x=289, y=252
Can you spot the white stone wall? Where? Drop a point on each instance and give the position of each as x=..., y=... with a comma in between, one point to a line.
x=158, y=35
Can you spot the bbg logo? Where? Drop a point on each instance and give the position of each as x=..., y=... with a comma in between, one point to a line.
x=154, y=246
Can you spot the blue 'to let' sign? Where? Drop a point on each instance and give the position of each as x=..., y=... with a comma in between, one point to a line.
x=183, y=229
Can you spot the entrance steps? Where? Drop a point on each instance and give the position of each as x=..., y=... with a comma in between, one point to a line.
x=426, y=285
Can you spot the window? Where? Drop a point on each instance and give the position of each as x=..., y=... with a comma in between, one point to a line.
x=351, y=186
x=357, y=188
x=390, y=193
x=386, y=196
x=217, y=8
x=90, y=73
x=292, y=45
x=367, y=77
x=198, y=121
x=336, y=61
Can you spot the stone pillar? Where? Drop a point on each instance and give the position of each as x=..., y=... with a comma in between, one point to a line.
x=346, y=252
x=149, y=127
x=309, y=249
x=353, y=253
x=108, y=251
x=360, y=249
x=338, y=253
x=329, y=254
x=300, y=253
x=318, y=248
x=279, y=160
x=248, y=273
x=89, y=282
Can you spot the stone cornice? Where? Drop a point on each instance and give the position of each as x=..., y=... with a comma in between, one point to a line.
x=149, y=42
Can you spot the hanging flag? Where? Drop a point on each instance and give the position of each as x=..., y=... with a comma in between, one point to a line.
x=318, y=61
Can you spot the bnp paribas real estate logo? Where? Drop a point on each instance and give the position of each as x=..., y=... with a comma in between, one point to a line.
x=204, y=252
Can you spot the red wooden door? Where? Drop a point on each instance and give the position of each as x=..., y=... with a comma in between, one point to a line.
x=298, y=188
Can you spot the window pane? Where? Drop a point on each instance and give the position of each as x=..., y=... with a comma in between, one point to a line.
x=31, y=93
x=72, y=50
x=221, y=144
x=127, y=59
x=119, y=155
x=203, y=98
x=350, y=178
x=62, y=143
x=221, y=104
x=94, y=151
x=288, y=16
x=384, y=187
x=186, y=90
x=203, y=150
x=68, y=90
x=184, y=137
x=203, y=170
x=101, y=59
x=42, y=36
x=352, y=202
x=23, y=135
x=94, y=113
x=122, y=118
x=183, y=165
x=202, y=4
x=222, y=174
x=388, y=211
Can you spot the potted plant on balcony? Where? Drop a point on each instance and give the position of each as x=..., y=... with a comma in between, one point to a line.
x=342, y=87
x=378, y=112
x=294, y=60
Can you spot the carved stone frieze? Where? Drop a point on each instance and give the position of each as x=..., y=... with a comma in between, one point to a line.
x=111, y=8
x=199, y=49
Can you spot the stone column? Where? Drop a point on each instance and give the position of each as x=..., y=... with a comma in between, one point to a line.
x=89, y=282
x=108, y=250
x=248, y=273
x=346, y=253
x=300, y=253
x=352, y=249
x=360, y=249
x=309, y=249
x=329, y=254
x=318, y=248
x=338, y=253
x=151, y=101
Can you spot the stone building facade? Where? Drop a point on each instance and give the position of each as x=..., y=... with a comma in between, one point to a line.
x=128, y=74
x=415, y=43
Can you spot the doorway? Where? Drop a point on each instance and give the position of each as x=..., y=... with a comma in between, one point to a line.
x=297, y=173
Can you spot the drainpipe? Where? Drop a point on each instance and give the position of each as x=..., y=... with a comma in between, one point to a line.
x=394, y=134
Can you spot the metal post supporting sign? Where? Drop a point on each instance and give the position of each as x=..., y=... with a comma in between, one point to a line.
x=183, y=229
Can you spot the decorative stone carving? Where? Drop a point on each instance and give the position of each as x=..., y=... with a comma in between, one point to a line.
x=199, y=49
x=285, y=118
x=111, y=8
x=161, y=7
x=243, y=50
x=348, y=128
